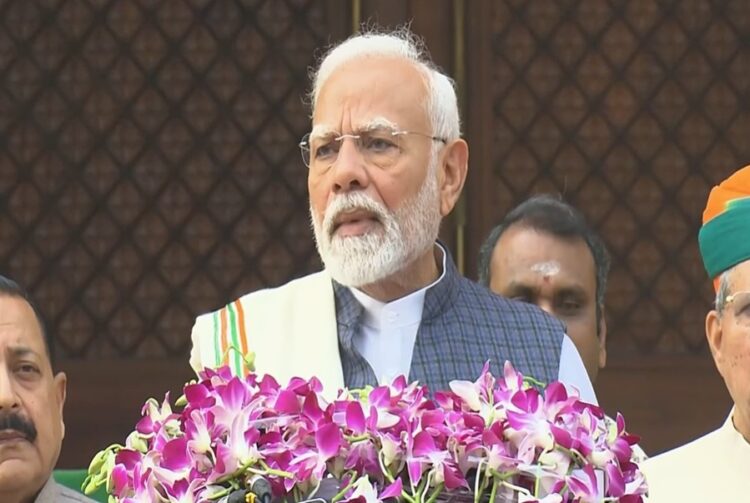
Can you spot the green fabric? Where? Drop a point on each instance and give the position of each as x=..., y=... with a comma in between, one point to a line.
x=73, y=479
x=217, y=343
x=235, y=339
x=725, y=239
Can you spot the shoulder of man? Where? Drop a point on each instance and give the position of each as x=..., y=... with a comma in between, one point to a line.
x=675, y=461
x=297, y=294
x=699, y=460
x=296, y=285
x=52, y=492
x=515, y=314
x=69, y=495
x=291, y=289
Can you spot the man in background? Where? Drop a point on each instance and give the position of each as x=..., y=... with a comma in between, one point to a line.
x=31, y=405
x=544, y=253
x=716, y=467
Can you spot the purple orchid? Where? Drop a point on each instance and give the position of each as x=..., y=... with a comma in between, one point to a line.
x=388, y=442
x=584, y=485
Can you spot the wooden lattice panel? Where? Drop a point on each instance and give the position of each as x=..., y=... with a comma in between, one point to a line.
x=631, y=111
x=149, y=168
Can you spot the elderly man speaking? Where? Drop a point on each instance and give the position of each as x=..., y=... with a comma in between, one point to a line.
x=385, y=164
x=716, y=467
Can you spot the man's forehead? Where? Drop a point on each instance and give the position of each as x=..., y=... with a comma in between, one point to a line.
x=517, y=261
x=24, y=333
x=20, y=349
x=546, y=268
x=19, y=325
x=529, y=246
x=361, y=89
x=740, y=276
x=543, y=272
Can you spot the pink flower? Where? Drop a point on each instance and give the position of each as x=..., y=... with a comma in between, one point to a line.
x=584, y=485
x=355, y=418
x=239, y=448
x=328, y=440
x=364, y=491
x=232, y=429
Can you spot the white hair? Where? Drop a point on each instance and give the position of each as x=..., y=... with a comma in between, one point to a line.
x=441, y=103
x=723, y=292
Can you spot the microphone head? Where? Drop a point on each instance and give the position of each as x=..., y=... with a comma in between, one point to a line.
x=261, y=488
x=238, y=496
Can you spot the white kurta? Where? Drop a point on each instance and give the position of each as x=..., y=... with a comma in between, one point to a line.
x=715, y=467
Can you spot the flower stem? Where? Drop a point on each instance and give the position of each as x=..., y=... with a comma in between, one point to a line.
x=343, y=492
x=515, y=487
x=274, y=471
x=504, y=475
x=435, y=493
x=479, y=486
x=266, y=470
x=573, y=453
x=493, y=493
x=406, y=496
x=220, y=494
x=384, y=469
x=420, y=489
x=533, y=382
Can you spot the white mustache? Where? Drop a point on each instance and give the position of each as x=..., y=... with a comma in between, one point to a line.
x=352, y=201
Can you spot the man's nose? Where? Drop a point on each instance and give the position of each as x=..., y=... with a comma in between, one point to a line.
x=8, y=396
x=546, y=306
x=350, y=168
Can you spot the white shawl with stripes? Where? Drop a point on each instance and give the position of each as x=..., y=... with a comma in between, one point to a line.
x=291, y=329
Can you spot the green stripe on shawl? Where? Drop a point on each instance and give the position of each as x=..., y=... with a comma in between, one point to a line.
x=725, y=239
x=235, y=340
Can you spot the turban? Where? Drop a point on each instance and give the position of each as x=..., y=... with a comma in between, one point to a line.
x=724, y=238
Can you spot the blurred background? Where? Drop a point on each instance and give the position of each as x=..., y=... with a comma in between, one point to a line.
x=149, y=171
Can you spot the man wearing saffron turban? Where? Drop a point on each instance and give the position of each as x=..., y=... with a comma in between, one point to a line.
x=716, y=467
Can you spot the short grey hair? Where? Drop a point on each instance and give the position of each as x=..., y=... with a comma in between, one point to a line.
x=723, y=292
x=441, y=102
x=551, y=215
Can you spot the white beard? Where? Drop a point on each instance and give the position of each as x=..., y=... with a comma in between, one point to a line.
x=406, y=233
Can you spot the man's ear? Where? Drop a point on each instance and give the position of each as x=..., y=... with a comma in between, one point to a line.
x=454, y=166
x=60, y=383
x=602, y=339
x=714, y=335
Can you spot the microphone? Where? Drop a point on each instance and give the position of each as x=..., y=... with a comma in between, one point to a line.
x=258, y=491
x=238, y=496
x=261, y=488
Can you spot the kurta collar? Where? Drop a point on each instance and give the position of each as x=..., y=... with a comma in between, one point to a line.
x=437, y=296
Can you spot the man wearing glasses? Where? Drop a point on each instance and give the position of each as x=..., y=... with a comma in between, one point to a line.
x=385, y=164
x=716, y=467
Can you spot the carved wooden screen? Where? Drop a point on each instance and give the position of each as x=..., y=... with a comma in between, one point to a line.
x=149, y=162
x=149, y=168
x=149, y=171
x=632, y=111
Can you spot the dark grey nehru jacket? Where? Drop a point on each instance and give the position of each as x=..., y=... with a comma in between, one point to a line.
x=463, y=325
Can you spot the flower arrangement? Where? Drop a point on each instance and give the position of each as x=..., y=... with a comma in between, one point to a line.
x=497, y=438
